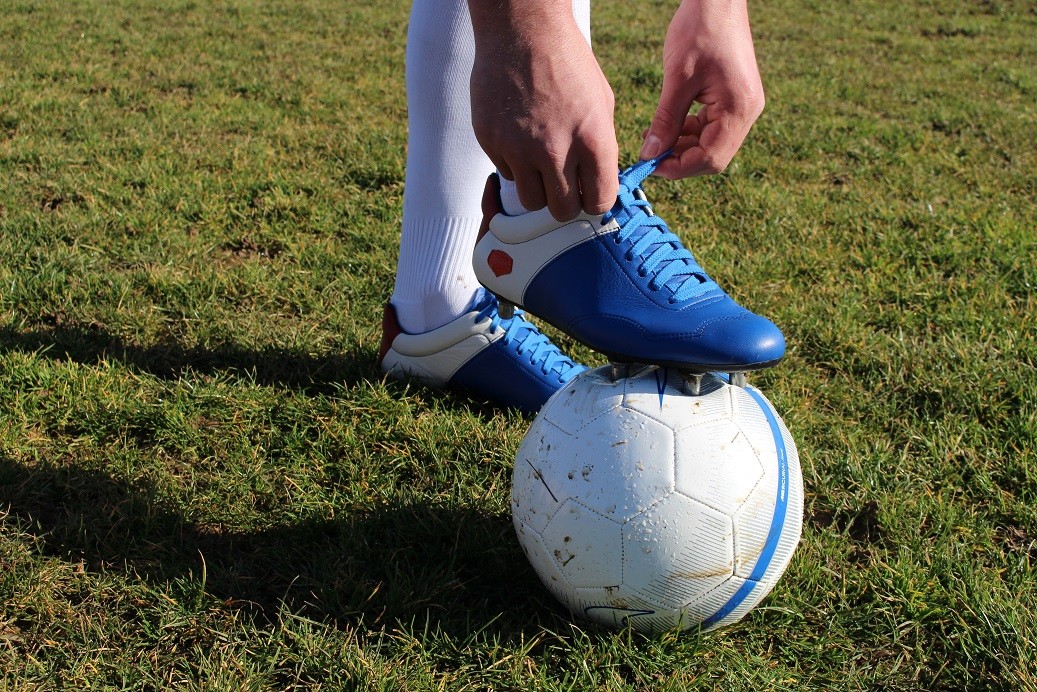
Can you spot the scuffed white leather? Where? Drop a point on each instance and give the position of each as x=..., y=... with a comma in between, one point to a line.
x=532, y=240
x=436, y=355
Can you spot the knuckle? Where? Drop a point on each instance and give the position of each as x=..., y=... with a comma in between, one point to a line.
x=485, y=134
x=751, y=106
x=754, y=107
x=667, y=118
x=564, y=203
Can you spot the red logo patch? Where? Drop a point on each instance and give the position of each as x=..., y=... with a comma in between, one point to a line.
x=500, y=262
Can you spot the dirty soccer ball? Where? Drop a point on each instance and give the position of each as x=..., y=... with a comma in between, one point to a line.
x=655, y=499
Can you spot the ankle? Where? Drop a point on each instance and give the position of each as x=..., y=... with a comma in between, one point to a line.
x=432, y=310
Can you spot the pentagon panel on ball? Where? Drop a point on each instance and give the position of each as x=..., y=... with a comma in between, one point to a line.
x=658, y=500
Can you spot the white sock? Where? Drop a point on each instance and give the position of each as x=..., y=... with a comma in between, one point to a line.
x=446, y=168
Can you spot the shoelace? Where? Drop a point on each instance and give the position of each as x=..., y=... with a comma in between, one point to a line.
x=659, y=251
x=523, y=336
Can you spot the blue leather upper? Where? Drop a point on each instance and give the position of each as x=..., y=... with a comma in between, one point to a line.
x=522, y=368
x=501, y=375
x=605, y=307
x=618, y=294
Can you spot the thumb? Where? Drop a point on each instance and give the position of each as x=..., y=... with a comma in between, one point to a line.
x=674, y=104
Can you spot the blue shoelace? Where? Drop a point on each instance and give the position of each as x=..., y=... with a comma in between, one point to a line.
x=526, y=340
x=660, y=252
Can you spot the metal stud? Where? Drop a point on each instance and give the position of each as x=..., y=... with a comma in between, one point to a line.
x=692, y=381
x=505, y=308
x=618, y=370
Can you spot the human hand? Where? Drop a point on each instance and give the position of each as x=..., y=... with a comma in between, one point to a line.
x=542, y=109
x=708, y=58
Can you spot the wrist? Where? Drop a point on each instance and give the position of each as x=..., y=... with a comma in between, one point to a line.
x=521, y=24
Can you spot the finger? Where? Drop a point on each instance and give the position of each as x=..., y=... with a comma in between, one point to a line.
x=504, y=170
x=693, y=124
x=697, y=160
x=688, y=139
x=599, y=183
x=686, y=164
x=674, y=103
x=684, y=143
x=563, y=192
x=598, y=189
x=502, y=166
x=720, y=137
x=530, y=186
x=690, y=135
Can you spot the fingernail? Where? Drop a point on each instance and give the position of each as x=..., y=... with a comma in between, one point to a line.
x=651, y=148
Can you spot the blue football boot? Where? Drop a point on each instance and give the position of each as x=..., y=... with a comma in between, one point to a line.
x=621, y=283
x=508, y=362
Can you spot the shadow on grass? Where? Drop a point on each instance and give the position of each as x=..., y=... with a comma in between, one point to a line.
x=454, y=567
x=91, y=344
x=270, y=366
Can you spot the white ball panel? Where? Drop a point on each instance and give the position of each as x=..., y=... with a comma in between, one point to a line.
x=754, y=519
x=753, y=423
x=711, y=603
x=532, y=499
x=752, y=527
x=587, y=396
x=662, y=561
x=620, y=464
x=716, y=464
x=544, y=565
x=586, y=547
x=793, y=526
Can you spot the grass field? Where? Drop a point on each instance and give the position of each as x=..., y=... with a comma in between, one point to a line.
x=205, y=481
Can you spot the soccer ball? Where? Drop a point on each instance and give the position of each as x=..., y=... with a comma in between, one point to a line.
x=642, y=503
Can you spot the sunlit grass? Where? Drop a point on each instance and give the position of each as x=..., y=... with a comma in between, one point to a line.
x=204, y=479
